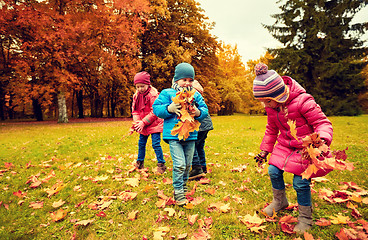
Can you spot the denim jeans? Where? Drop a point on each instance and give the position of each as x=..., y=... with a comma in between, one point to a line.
x=156, y=145
x=301, y=186
x=199, y=157
x=182, y=156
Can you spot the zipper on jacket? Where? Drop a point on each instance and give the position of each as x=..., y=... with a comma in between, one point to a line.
x=287, y=159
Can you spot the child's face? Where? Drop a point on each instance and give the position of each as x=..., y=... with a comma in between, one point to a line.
x=141, y=88
x=185, y=82
x=270, y=103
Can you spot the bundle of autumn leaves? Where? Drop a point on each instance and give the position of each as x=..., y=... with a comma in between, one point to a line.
x=319, y=155
x=187, y=123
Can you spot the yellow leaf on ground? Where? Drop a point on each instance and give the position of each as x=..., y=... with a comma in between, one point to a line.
x=134, y=182
x=339, y=219
x=133, y=215
x=58, y=203
x=58, y=215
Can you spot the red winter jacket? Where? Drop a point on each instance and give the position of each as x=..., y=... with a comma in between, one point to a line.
x=152, y=124
x=308, y=117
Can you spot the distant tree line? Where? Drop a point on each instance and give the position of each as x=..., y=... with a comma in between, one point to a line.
x=61, y=59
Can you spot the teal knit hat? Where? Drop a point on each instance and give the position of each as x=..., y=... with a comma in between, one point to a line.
x=184, y=70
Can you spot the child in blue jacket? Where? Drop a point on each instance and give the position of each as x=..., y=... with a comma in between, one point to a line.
x=181, y=151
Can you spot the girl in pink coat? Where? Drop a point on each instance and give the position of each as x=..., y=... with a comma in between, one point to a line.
x=145, y=122
x=284, y=99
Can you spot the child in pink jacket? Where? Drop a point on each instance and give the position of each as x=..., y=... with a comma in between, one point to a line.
x=146, y=123
x=284, y=99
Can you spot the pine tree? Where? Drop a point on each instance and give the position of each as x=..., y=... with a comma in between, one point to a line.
x=322, y=50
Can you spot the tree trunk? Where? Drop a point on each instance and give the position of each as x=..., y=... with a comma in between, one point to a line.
x=96, y=106
x=63, y=114
x=37, y=110
x=79, y=95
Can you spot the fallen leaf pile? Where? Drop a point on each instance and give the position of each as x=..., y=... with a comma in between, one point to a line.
x=187, y=123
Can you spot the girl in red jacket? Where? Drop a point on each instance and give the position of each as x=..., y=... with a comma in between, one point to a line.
x=284, y=99
x=145, y=122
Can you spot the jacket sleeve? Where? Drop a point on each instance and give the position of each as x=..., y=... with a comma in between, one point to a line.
x=202, y=106
x=160, y=105
x=312, y=112
x=135, y=114
x=150, y=117
x=271, y=133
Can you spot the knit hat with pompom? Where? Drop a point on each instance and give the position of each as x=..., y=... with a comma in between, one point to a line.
x=269, y=85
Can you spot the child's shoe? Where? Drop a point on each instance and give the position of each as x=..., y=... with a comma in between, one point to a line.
x=180, y=198
x=204, y=169
x=161, y=168
x=139, y=164
x=279, y=202
x=305, y=220
x=196, y=172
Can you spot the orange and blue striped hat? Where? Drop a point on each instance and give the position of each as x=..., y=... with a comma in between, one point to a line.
x=269, y=85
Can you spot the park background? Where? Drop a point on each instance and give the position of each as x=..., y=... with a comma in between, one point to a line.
x=76, y=59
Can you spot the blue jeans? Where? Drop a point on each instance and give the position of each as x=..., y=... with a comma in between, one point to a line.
x=182, y=156
x=199, y=158
x=301, y=186
x=156, y=145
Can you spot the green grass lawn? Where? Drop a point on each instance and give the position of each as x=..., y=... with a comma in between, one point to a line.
x=87, y=164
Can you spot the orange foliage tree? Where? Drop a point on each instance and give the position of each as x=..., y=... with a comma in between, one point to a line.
x=57, y=47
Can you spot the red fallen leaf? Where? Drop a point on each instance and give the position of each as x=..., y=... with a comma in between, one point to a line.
x=308, y=236
x=208, y=221
x=288, y=219
x=8, y=165
x=193, y=190
x=356, y=214
x=210, y=191
x=345, y=234
x=161, y=194
x=364, y=224
x=168, y=181
x=323, y=222
x=192, y=219
x=201, y=234
x=101, y=214
x=19, y=194
x=287, y=228
x=204, y=181
x=78, y=204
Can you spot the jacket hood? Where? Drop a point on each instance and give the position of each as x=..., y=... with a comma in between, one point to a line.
x=295, y=89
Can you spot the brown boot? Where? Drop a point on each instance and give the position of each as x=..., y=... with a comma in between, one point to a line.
x=279, y=202
x=139, y=164
x=161, y=168
x=305, y=220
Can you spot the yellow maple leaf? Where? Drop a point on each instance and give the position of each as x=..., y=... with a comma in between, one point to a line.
x=340, y=219
x=58, y=203
x=134, y=182
x=58, y=215
x=133, y=215
x=292, y=126
x=251, y=221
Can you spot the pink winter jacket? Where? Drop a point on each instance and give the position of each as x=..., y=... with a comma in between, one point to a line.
x=309, y=118
x=152, y=124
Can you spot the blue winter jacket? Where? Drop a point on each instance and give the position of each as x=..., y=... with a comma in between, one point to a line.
x=170, y=119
